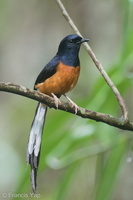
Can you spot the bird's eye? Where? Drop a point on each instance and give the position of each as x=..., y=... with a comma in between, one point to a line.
x=70, y=41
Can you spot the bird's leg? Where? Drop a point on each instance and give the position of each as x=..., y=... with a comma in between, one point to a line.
x=57, y=101
x=72, y=103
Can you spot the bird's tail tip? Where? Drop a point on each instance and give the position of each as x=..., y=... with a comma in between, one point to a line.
x=33, y=176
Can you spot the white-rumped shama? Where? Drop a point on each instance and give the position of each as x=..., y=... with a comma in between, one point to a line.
x=57, y=78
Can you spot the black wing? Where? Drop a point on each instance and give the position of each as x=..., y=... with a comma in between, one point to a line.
x=48, y=70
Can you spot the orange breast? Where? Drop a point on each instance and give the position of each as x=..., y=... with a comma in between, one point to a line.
x=61, y=82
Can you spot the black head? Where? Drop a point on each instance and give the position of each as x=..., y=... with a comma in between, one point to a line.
x=71, y=43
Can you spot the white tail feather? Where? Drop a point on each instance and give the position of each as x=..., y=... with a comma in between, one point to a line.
x=36, y=131
x=34, y=144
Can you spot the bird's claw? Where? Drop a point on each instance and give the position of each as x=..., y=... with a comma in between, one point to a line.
x=57, y=101
x=73, y=104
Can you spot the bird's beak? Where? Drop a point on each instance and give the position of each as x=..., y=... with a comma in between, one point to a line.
x=84, y=40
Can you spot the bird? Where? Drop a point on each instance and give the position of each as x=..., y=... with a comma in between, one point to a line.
x=57, y=78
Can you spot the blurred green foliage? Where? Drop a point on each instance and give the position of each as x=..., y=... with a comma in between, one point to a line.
x=80, y=158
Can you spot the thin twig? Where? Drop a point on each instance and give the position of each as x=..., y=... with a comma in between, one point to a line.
x=84, y=113
x=96, y=62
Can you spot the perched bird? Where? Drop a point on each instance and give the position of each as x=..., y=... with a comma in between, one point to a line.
x=57, y=78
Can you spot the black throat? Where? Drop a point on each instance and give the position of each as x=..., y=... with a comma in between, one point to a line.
x=70, y=57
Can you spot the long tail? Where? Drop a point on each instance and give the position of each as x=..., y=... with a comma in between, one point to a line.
x=34, y=144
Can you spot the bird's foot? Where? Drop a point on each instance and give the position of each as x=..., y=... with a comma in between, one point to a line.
x=57, y=101
x=73, y=104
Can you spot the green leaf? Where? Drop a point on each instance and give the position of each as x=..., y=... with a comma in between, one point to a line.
x=110, y=171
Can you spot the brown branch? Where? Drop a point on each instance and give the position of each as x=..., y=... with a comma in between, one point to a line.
x=96, y=62
x=84, y=113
